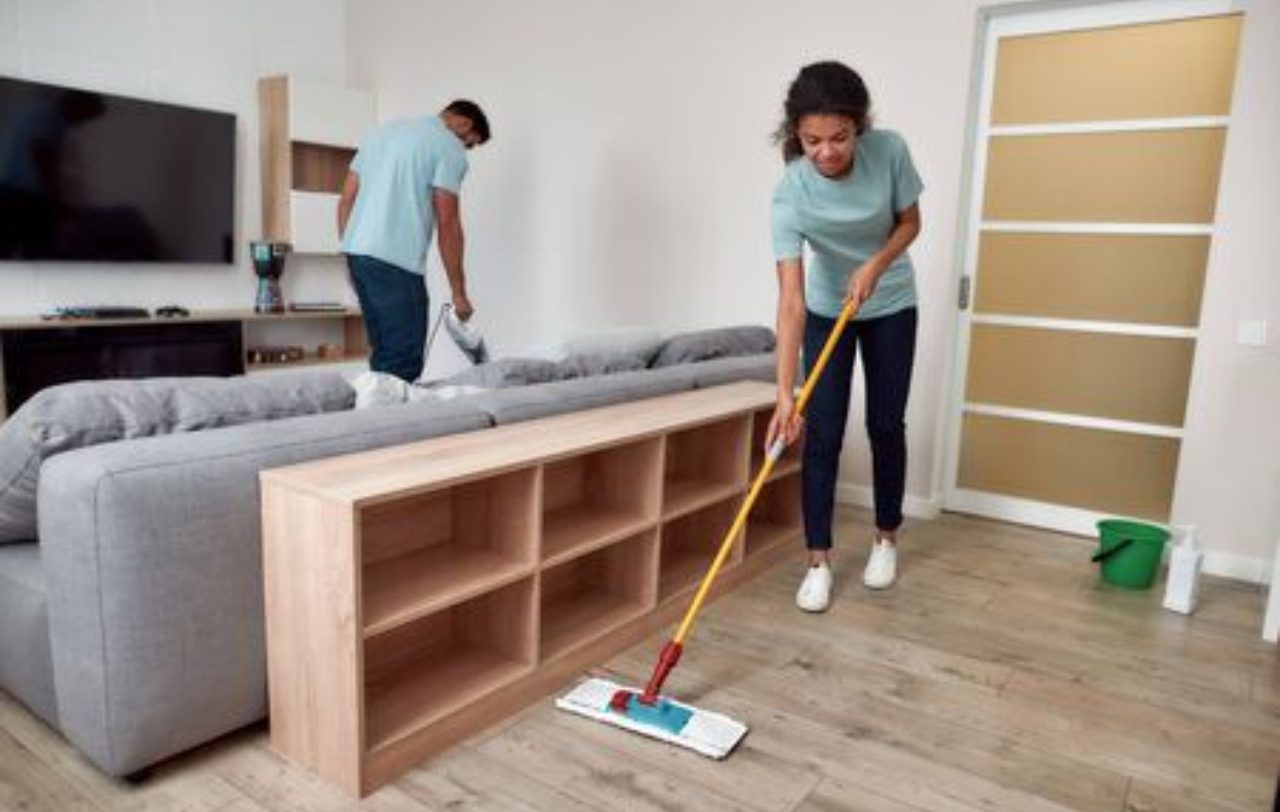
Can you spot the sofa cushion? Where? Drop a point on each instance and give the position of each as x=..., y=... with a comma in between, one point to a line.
x=542, y=400
x=507, y=372
x=88, y=413
x=26, y=665
x=601, y=362
x=703, y=345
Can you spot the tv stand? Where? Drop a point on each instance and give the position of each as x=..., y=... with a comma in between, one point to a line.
x=42, y=351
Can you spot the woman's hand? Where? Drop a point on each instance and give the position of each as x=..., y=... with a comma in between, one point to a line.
x=785, y=423
x=862, y=283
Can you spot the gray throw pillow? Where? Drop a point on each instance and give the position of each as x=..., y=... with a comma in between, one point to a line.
x=723, y=342
x=75, y=415
x=585, y=365
x=506, y=372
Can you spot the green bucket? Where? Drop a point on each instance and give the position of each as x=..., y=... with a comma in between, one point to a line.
x=1130, y=552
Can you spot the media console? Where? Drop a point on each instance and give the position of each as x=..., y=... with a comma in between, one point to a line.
x=38, y=353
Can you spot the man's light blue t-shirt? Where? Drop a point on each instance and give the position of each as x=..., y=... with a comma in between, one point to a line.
x=845, y=221
x=399, y=165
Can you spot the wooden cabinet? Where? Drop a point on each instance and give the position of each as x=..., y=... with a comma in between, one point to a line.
x=309, y=132
x=417, y=594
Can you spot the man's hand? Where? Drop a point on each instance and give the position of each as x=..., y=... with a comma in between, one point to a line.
x=462, y=307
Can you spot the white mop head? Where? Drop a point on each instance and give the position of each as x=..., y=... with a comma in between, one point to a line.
x=710, y=734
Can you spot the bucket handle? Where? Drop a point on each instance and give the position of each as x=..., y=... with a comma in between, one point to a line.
x=1103, y=555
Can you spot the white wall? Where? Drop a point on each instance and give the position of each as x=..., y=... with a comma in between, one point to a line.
x=630, y=175
x=631, y=169
x=1229, y=470
x=202, y=53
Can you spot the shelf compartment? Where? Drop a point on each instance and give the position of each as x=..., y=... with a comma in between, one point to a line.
x=320, y=167
x=424, y=552
x=704, y=465
x=592, y=500
x=419, y=673
x=776, y=517
x=689, y=543
x=790, y=462
x=595, y=593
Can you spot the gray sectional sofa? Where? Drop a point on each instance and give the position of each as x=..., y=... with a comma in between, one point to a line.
x=134, y=625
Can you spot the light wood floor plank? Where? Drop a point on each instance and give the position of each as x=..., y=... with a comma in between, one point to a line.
x=835, y=796
x=27, y=782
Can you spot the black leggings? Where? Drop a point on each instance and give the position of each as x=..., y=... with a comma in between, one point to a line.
x=888, y=351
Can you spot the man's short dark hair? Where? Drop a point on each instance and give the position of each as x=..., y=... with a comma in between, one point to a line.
x=471, y=112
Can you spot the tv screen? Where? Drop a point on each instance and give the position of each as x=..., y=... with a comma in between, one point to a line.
x=91, y=176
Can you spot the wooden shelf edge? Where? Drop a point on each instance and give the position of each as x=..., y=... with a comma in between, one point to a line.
x=622, y=613
x=494, y=675
x=712, y=495
x=635, y=526
x=387, y=621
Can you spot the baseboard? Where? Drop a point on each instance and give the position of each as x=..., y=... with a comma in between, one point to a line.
x=1227, y=565
x=914, y=506
x=1240, y=567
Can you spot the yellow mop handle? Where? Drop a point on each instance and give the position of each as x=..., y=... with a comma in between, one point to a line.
x=775, y=452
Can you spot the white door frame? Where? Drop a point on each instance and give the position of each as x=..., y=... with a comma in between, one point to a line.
x=995, y=23
x=1271, y=624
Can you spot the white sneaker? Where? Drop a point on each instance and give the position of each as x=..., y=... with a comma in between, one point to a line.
x=814, y=594
x=882, y=565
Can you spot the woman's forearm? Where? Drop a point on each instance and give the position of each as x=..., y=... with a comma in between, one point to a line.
x=790, y=332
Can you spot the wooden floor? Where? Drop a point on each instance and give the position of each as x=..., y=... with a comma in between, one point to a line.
x=997, y=674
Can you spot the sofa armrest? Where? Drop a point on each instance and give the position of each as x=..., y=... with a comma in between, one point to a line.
x=152, y=551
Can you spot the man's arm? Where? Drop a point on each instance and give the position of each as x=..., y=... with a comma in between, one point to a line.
x=350, y=188
x=449, y=224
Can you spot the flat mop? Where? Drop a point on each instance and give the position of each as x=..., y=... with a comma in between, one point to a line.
x=648, y=712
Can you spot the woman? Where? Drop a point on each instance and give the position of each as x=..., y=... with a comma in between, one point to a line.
x=850, y=193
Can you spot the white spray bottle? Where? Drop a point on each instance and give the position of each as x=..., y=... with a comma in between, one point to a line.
x=1183, y=586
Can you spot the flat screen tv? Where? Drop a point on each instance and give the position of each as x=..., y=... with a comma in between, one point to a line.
x=88, y=176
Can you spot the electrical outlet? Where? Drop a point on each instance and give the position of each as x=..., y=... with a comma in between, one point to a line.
x=1251, y=332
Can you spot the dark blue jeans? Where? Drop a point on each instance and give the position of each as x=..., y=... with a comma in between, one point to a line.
x=394, y=302
x=888, y=353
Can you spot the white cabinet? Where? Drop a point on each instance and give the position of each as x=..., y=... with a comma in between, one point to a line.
x=310, y=131
x=323, y=113
x=314, y=216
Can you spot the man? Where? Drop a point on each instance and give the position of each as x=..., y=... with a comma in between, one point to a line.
x=402, y=185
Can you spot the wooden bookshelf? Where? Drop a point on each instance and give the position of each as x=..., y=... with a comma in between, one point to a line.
x=419, y=593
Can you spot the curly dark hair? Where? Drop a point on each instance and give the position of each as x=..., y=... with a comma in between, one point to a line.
x=822, y=88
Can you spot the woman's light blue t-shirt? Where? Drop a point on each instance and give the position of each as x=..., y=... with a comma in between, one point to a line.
x=399, y=165
x=845, y=221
